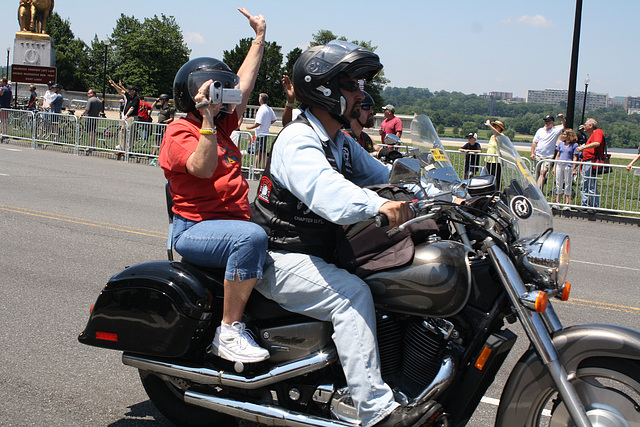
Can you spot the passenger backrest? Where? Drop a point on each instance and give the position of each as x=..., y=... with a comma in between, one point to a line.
x=169, y=200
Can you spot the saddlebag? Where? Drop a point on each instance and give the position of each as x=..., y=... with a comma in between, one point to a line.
x=158, y=308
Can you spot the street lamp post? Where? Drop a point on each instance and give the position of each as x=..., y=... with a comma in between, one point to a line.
x=584, y=101
x=104, y=77
x=8, y=50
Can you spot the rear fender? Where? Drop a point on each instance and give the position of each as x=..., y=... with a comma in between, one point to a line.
x=574, y=344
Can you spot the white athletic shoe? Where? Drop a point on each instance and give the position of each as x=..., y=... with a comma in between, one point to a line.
x=235, y=343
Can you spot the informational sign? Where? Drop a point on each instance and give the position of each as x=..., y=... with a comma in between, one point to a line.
x=32, y=74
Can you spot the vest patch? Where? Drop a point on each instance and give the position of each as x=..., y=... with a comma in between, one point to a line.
x=264, y=190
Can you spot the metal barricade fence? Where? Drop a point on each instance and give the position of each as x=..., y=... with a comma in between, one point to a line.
x=17, y=124
x=618, y=190
x=144, y=139
x=57, y=129
x=99, y=134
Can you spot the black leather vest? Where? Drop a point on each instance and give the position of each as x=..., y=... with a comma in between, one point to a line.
x=291, y=225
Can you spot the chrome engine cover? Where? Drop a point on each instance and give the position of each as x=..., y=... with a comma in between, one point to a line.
x=437, y=283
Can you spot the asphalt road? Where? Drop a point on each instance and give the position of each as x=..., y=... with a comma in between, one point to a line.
x=69, y=222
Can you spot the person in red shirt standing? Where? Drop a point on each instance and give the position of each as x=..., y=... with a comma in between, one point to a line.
x=211, y=208
x=391, y=124
x=592, y=149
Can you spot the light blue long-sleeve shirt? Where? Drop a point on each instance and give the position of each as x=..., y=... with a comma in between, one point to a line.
x=299, y=164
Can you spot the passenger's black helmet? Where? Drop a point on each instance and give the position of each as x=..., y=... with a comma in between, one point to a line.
x=316, y=73
x=193, y=74
x=164, y=97
x=368, y=100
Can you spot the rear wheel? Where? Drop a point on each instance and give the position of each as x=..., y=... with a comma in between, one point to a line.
x=609, y=390
x=168, y=396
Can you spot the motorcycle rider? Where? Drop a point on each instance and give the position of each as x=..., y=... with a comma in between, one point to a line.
x=364, y=120
x=312, y=185
x=211, y=207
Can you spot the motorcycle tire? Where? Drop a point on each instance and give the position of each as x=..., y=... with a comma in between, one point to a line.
x=167, y=397
x=609, y=388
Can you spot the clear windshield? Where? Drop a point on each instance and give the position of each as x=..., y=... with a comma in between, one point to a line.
x=516, y=178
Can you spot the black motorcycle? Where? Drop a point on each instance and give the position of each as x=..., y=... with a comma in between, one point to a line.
x=441, y=322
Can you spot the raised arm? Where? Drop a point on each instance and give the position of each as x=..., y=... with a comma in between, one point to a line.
x=248, y=71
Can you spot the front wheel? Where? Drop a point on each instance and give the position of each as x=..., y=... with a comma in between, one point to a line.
x=168, y=397
x=609, y=390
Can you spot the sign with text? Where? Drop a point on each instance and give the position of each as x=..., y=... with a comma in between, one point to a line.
x=32, y=74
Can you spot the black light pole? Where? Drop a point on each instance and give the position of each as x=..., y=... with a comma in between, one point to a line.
x=8, y=50
x=104, y=77
x=584, y=101
x=571, y=96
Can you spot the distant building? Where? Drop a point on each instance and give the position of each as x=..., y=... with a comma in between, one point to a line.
x=559, y=97
x=632, y=105
x=617, y=101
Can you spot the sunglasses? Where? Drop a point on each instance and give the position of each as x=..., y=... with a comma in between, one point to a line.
x=350, y=86
x=366, y=107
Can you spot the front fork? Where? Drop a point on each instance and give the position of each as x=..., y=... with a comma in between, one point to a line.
x=537, y=328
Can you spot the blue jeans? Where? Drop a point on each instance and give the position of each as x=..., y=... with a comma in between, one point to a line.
x=589, y=191
x=308, y=285
x=240, y=247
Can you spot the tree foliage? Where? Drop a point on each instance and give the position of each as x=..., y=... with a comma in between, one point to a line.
x=71, y=54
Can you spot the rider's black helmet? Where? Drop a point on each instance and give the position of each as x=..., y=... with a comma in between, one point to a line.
x=193, y=74
x=368, y=100
x=164, y=97
x=316, y=73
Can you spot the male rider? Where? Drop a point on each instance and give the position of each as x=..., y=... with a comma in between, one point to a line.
x=364, y=120
x=311, y=184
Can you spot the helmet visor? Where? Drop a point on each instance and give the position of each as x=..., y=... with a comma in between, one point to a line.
x=227, y=80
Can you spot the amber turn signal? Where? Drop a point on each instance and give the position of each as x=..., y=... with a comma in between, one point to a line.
x=482, y=359
x=566, y=289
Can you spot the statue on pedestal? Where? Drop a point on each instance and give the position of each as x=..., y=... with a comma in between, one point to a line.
x=33, y=15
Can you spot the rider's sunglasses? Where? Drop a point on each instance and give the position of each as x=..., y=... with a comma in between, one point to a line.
x=366, y=107
x=350, y=85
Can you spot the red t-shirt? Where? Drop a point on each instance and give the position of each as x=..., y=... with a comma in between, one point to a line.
x=590, y=153
x=224, y=195
x=392, y=125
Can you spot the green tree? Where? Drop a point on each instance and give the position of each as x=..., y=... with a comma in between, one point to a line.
x=148, y=54
x=269, y=79
x=71, y=54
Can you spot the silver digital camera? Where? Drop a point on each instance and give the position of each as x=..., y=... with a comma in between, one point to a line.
x=218, y=94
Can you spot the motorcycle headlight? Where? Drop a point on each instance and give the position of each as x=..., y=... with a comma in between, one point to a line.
x=545, y=258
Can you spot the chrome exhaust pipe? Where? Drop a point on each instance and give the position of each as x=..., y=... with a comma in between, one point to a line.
x=262, y=414
x=209, y=376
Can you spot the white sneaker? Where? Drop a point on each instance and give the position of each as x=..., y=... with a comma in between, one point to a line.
x=235, y=343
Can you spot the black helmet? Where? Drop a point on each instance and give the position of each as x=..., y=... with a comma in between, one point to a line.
x=164, y=97
x=368, y=100
x=193, y=74
x=316, y=73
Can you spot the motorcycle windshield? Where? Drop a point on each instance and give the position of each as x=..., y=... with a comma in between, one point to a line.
x=527, y=203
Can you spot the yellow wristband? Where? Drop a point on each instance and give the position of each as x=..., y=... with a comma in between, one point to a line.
x=208, y=131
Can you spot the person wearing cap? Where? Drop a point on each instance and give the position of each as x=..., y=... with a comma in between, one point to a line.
x=592, y=150
x=471, y=159
x=130, y=112
x=493, y=162
x=5, y=102
x=56, y=99
x=46, y=99
x=391, y=124
x=544, y=145
x=166, y=115
x=364, y=120
x=33, y=98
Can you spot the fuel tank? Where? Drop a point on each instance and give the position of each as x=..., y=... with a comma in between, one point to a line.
x=437, y=283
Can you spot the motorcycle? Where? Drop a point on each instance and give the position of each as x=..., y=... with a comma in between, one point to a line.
x=442, y=321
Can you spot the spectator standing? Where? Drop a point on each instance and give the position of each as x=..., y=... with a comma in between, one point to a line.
x=56, y=99
x=33, y=98
x=391, y=124
x=590, y=151
x=5, y=102
x=166, y=115
x=92, y=109
x=46, y=99
x=544, y=144
x=635, y=159
x=493, y=162
x=211, y=207
x=364, y=120
x=471, y=159
x=565, y=152
x=129, y=113
x=265, y=117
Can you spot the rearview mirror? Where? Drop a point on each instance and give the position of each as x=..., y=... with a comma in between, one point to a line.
x=405, y=171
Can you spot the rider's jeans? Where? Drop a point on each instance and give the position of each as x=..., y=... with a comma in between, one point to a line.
x=589, y=190
x=308, y=285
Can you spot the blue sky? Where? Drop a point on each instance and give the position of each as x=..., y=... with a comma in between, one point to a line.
x=469, y=46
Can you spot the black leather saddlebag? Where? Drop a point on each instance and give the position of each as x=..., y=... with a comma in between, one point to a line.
x=159, y=308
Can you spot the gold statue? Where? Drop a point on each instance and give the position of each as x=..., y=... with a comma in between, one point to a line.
x=33, y=15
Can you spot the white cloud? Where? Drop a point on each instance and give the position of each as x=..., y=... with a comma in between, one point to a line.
x=530, y=21
x=195, y=38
